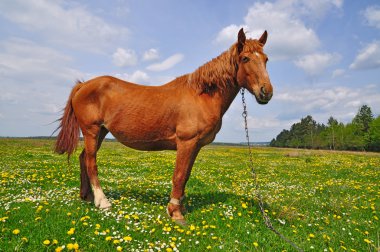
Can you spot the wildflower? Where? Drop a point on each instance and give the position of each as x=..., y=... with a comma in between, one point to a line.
x=76, y=246
x=58, y=249
x=16, y=231
x=46, y=242
x=208, y=247
x=169, y=249
x=55, y=241
x=118, y=248
x=108, y=238
x=127, y=238
x=70, y=246
x=192, y=227
x=71, y=231
x=24, y=239
x=255, y=244
x=367, y=241
x=311, y=235
x=116, y=241
x=244, y=205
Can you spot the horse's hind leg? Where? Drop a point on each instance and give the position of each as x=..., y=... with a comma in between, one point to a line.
x=92, y=139
x=85, y=186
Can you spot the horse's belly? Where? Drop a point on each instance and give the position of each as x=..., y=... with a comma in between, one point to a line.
x=147, y=142
x=151, y=145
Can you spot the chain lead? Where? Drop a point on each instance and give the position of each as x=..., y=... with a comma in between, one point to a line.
x=267, y=220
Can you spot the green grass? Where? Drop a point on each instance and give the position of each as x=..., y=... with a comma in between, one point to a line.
x=321, y=200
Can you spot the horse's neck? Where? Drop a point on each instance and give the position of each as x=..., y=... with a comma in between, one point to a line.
x=227, y=97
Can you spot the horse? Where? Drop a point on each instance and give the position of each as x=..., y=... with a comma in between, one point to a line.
x=183, y=115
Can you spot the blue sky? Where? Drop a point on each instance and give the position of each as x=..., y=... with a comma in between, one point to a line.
x=324, y=56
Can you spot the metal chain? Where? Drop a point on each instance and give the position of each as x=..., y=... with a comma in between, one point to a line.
x=267, y=220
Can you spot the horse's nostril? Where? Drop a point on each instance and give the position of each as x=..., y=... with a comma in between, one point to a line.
x=262, y=92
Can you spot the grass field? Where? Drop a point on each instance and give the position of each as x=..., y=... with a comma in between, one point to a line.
x=321, y=200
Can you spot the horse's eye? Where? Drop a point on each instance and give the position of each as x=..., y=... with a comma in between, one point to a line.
x=245, y=59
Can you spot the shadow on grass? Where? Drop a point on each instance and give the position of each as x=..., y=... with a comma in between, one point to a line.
x=195, y=200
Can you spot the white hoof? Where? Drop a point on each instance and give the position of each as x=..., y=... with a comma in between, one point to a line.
x=100, y=200
x=102, y=203
x=105, y=204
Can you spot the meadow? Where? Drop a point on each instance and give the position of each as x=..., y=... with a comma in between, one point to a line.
x=321, y=200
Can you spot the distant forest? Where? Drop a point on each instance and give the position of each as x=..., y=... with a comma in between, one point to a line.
x=361, y=134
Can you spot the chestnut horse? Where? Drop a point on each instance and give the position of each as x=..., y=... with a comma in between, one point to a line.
x=184, y=114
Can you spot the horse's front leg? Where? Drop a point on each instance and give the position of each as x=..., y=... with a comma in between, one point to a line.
x=186, y=154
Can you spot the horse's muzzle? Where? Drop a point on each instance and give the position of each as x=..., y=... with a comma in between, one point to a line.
x=264, y=96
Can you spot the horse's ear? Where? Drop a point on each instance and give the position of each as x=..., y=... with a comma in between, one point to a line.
x=241, y=40
x=263, y=38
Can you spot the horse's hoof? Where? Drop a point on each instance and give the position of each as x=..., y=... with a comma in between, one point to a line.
x=103, y=204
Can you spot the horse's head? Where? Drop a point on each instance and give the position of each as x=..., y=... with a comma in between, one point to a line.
x=252, y=73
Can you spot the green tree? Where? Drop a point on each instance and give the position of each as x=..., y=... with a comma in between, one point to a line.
x=332, y=124
x=353, y=137
x=363, y=118
x=373, y=141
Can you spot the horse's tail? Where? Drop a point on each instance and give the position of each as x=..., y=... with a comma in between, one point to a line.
x=68, y=137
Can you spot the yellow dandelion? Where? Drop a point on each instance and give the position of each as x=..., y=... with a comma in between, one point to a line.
x=76, y=246
x=108, y=238
x=367, y=241
x=70, y=246
x=46, y=242
x=244, y=205
x=116, y=241
x=55, y=241
x=311, y=235
x=192, y=227
x=71, y=231
x=58, y=249
x=255, y=244
x=169, y=249
x=24, y=239
x=118, y=248
x=16, y=231
x=127, y=238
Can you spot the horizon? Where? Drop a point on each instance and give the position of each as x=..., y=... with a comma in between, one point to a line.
x=323, y=56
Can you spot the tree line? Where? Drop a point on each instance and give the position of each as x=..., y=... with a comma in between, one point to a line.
x=362, y=133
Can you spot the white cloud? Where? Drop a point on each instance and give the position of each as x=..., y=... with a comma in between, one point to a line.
x=20, y=59
x=317, y=9
x=57, y=21
x=167, y=63
x=338, y=72
x=368, y=57
x=228, y=34
x=289, y=37
x=151, y=54
x=138, y=76
x=124, y=57
x=340, y=102
x=315, y=64
x=372, y=16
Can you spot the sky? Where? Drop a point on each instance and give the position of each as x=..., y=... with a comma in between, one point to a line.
x=324, y=56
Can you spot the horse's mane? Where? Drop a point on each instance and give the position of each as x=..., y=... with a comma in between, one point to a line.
x=220, y=72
